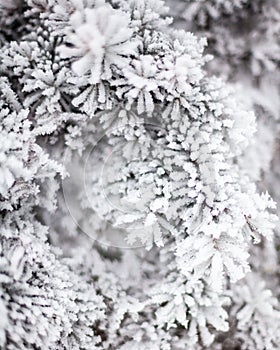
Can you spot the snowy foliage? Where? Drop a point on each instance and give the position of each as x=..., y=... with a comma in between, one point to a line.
x=240, y=31
x=99, y=38
x=254, y=304
x=111, y=128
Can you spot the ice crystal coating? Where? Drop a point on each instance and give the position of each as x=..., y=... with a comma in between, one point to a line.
x=115, y=133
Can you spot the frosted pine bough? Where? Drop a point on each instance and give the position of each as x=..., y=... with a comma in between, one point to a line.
x=117, y=79
x=244, y=38
x=248, y=45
